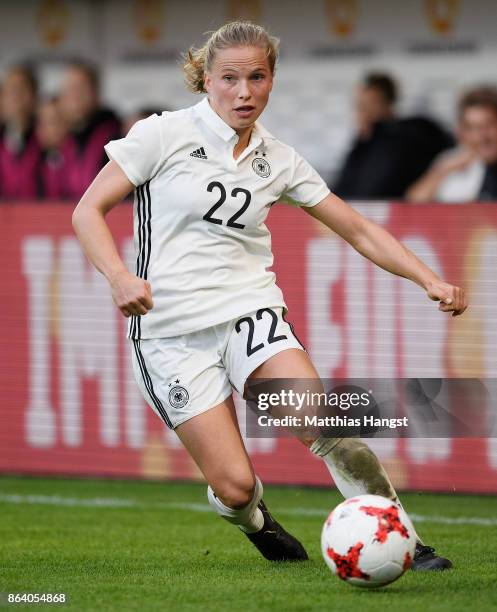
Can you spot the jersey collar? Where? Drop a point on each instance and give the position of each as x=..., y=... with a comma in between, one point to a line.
x=214, y=121
x=222, y=129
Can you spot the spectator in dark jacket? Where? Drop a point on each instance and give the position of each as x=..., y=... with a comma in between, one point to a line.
x=90, y=126
x=388, y=154
x=19, y=148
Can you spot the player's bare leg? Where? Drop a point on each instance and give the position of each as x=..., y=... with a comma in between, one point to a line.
x=354, y=467
x=234, y=491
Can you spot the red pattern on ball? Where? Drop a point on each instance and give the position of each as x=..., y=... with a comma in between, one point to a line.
x=347, y=565
x=388, y=521
x=407, y=561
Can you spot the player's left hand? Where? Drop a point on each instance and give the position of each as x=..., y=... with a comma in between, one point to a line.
x=452, y=299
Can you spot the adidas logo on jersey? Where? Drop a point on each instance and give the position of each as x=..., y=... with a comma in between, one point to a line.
x=200, y=153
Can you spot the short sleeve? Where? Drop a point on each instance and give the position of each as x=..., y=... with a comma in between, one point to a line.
x=305, y=187
x=139, y=154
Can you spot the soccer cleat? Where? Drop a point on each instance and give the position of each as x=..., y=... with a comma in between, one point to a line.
x=426, y=559
x=274, y=543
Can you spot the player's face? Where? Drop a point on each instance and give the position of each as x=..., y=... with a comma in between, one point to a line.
x=239, y=84
x=480, y=132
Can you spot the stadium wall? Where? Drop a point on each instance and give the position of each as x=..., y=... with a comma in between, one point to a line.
x=69, y=403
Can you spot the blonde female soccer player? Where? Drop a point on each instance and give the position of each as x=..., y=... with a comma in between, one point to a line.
x=205, y=314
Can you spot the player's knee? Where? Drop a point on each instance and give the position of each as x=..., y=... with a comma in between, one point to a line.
x=236, y=493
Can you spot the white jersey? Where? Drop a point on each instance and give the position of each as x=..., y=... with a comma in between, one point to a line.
x=199, y=231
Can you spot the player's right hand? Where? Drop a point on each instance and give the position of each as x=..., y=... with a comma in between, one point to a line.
x=132, y=295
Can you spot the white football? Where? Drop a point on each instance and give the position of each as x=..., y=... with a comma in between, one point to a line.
x=368, y=541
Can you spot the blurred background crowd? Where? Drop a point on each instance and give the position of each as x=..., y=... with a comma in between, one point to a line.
x=52, y=147
x=387, y=100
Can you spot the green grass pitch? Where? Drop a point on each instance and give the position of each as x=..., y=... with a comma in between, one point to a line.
x=126, y=545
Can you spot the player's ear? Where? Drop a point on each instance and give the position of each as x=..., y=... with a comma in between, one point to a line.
x=271, y=83
x=207, y=82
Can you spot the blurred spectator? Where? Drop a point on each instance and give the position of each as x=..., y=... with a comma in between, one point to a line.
x=375, y=103
x=388, y=154
x=468, y=172
x=19, y=149
x=90, y=126
x=57, y=149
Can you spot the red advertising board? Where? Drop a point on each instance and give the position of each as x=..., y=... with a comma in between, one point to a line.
x=69, y=402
